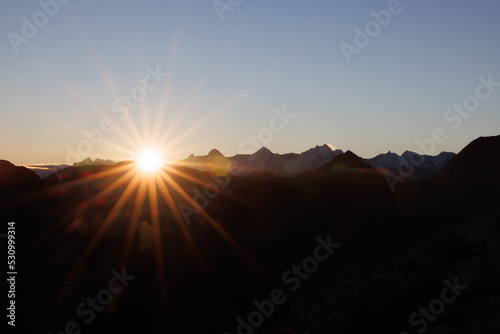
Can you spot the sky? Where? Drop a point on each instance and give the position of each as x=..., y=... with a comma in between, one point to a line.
x=104, y=78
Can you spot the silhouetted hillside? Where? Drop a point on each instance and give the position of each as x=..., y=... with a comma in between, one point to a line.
x=477, y=164
x=347, y=162
x=204, y=245
x=16, y=177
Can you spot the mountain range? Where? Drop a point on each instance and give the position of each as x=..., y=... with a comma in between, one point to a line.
x=45, y=170
x=96, y=162
x=397, y=247
x=290, y=164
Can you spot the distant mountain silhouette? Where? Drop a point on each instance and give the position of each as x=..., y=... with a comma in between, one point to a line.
x=422, y=166
x=288, y=164
x=214, y=153
x=347, y=162
x=264, y=160
x=96, y=162
x=214, y=161
x=209, y=245
x=79, y=171
x=44, y=170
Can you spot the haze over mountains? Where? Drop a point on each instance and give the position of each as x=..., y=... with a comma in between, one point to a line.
x=45, y=170
x=290, y=164
x=96, y=162
x=293, y=163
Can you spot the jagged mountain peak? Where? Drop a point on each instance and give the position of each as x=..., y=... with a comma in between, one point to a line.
x=324, y=146
x=295, y=163
x=86, y=161
x=325, y=150
x=263, y=149
x=344, y=162
x=349, y=154
x=350, y=159
x=214, y=153
x=96, y=162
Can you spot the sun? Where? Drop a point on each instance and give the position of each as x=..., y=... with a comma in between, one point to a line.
x=149, y=160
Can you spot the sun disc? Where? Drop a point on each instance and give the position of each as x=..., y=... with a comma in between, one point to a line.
x=149, y=160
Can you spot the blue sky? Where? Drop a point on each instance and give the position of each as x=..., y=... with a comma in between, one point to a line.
x=225, y=77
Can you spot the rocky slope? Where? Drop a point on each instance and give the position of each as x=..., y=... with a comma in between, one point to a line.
x=382, y=297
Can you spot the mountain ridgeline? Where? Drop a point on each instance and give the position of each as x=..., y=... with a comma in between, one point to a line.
x=290, y=164
x=211, y=244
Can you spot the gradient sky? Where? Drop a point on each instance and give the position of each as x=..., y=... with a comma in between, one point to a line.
x=226, y=77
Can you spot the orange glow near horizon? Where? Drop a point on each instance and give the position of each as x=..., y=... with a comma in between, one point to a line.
x=147, y=186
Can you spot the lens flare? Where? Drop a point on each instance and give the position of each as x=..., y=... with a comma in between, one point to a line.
x=149, y=160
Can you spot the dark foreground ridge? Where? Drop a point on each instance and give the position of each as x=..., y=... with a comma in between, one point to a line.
x=395, y=251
